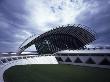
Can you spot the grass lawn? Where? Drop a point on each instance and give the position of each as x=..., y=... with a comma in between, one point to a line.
x=56, y=73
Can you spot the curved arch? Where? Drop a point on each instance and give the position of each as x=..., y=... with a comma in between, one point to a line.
x=68, y=37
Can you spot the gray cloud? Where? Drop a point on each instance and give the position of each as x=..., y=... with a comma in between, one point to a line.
x=11, y=22
x=21, y=18
x=98, y=20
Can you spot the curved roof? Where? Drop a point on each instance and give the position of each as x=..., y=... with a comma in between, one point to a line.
x=66, y=37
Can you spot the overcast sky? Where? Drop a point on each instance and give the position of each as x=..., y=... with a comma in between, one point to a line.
x=20, y=19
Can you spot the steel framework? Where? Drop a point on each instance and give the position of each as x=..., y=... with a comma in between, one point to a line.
x=69, y=37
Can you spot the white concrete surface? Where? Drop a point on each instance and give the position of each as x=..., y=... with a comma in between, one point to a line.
x=33, y=60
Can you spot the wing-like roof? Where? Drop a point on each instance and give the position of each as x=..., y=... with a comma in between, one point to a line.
x=62, y=38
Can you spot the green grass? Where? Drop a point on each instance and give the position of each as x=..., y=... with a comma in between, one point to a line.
x=56, y=73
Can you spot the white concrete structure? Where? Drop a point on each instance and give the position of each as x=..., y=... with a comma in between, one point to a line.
x=7, y=62
x=91, y=61
x=88, y=57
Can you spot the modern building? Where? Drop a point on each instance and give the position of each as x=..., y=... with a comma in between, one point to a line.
x=70, y=37
x=63, y=45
